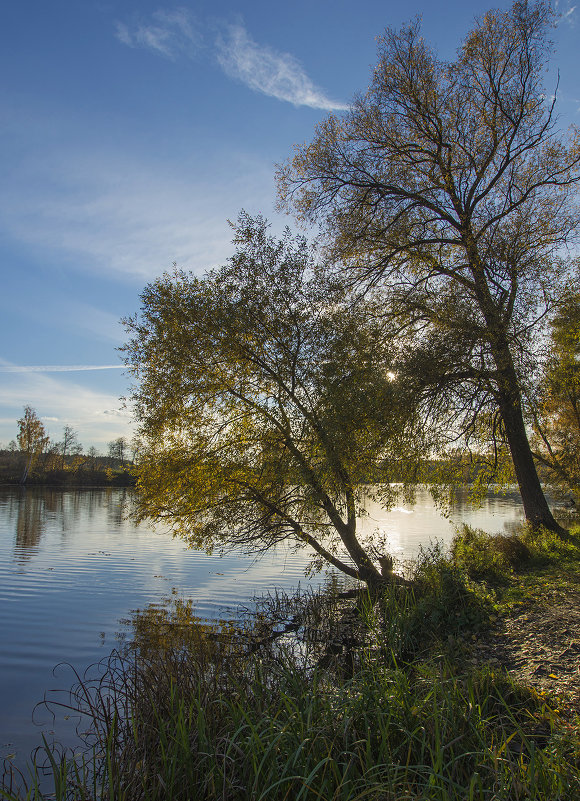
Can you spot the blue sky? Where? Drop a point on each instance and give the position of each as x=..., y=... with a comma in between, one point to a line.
x=131, y=131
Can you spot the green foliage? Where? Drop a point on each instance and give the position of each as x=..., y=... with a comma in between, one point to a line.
x=557, y=422
x=223, y=723
x=550, y=549
x=486, y=556
x=447, y=604
x=408, y=623
x=495, y=558
x=267, y=394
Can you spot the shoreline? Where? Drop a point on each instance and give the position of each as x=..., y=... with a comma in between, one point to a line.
x=299, y=694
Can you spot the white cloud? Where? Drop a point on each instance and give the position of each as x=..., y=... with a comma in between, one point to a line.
x=566, y=12
x=97, y=416
x=170, y=33
x=102, y=213
x=259, y=67
x=265, y=70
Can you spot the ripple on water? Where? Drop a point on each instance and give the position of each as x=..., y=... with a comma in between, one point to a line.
x=71, y=568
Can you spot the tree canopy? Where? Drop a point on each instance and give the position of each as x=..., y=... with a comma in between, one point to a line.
x=451, y=183
x=266, y=400
x=557, y=418
x=32, y=439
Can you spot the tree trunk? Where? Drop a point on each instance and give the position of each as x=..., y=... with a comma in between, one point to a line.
x=26, y=469
x=366, y=569
x=536, y=507
x=509, y=398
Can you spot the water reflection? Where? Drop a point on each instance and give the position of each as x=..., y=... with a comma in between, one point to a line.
x=117, y=506
x=412, y=525
x=172, y=624
x=72, y=566
x=33, y=511
x=461, y=499
x=29, y=526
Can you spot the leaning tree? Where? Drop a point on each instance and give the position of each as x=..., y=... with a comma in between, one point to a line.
x=451, y=183
x=267, y=402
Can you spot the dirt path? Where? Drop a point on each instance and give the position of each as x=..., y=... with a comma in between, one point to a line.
x=540, y=646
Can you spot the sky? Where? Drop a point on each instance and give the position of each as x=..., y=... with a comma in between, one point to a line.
x=131, y=131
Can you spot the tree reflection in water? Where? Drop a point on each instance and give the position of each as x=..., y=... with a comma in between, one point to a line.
x=33, y=511
x=29, y=526
x=172, y=625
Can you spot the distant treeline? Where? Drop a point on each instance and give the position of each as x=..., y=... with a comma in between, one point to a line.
x=52, y=469
x=34, y=458
x=458, y=468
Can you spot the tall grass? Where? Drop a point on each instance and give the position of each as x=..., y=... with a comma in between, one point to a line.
x=358, y=702
x=494, y=559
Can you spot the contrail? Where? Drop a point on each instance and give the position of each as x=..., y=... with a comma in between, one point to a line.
x=57, y=368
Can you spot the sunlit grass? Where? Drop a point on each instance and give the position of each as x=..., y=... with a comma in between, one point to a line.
x=533, y=565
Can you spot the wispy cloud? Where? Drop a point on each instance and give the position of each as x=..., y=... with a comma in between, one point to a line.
x=169, y=33
x=268, y=71
x=97, y=416
x=129, y=219
x=566, y=12
x=92, y=321
x=259, y=67
x=56, y=368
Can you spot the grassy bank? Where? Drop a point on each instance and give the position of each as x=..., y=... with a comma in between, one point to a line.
x=330, y=696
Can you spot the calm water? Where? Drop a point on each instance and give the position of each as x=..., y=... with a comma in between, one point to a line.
x=71, y=567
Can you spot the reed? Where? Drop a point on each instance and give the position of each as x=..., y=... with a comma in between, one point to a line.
x=317, y=697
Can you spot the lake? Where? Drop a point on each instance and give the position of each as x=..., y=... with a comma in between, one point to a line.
x=72, y=567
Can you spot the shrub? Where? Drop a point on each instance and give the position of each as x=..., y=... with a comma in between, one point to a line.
x=487, y=556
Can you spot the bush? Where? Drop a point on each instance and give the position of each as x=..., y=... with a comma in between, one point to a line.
x=487, y=556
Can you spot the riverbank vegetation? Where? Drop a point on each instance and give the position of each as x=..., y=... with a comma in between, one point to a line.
x=342, y=694
x=33, y=458
x=82, y=470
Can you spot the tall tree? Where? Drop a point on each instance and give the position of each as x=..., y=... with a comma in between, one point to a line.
x=557, y=418
x=118, y=449
x=69, y=445
x=32, y=439
x=451, y=182
x=265, y=403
